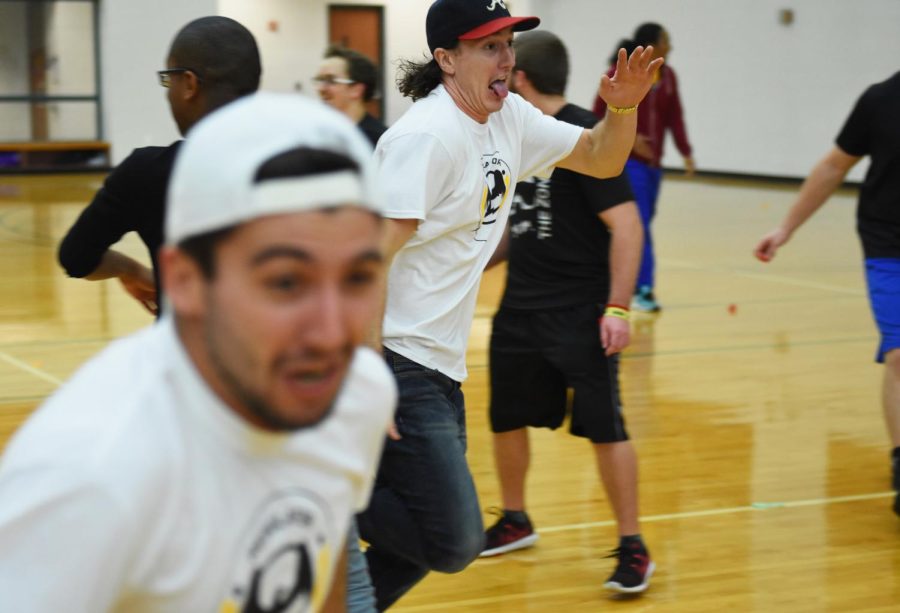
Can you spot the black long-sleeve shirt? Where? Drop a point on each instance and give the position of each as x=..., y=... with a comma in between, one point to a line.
x=132, y=199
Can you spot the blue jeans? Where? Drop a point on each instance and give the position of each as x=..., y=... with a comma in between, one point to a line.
x=360, y=594
x=645, y=181
x=424, y=514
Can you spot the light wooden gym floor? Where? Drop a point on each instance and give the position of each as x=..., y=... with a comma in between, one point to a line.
x=763, y=454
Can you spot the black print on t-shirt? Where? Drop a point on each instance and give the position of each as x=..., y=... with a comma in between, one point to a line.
x=497, y=178
x=283, y=556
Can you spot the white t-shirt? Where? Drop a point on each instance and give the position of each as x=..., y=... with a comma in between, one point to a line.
x=135, y=489
x=458, y=177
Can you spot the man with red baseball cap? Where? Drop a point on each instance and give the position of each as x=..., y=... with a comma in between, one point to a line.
x=449, y=167
x=452, y=20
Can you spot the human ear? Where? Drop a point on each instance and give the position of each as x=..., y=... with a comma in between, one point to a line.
x=183, y=282
x=444, y=59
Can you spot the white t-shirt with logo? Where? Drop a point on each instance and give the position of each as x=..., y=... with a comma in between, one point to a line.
x=458, y=177
x=135, y=489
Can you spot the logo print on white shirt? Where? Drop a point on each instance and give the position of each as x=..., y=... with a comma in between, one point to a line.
x=285, y=558
x=495, y=3
x=497, y=177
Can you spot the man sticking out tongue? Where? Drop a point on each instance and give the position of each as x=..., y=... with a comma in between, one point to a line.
x=450, y=166
x=500, y=89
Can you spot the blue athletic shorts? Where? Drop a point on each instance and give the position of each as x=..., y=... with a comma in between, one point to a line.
x=883, y=278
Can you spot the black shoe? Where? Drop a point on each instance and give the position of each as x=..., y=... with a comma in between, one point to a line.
x=895, y=466
x=633, y=572
x=508, y=535
x=895, y=469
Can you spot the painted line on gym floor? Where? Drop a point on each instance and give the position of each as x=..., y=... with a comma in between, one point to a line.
x=58, y=343
x=32, y=398
x=505, y=598
x=756, y=506
x=640, y=355
x=759, y=276
x=792, y=281
x=761, y=507
x=40, y=374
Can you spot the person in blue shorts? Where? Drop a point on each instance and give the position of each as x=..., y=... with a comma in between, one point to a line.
x=873, y=129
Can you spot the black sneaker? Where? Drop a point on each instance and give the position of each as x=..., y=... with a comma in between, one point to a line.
x=508, y=535
x=633, y=572
x=895, y=465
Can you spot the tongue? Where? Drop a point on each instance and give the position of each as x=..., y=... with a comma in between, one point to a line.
x=500, y=89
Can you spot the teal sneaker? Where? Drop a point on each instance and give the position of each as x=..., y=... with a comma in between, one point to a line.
x=644, y=300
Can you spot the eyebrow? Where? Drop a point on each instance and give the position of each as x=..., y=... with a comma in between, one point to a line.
x=294, y=253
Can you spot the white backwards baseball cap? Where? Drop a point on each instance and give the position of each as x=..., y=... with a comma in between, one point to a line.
x=213, y=181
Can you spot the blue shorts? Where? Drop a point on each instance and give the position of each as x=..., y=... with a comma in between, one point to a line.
x=883, y=278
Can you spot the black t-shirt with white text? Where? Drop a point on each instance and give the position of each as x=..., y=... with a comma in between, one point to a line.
x=873, y=129
x=559, y=247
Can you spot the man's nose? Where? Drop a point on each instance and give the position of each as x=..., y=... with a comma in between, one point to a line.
x=328, y=327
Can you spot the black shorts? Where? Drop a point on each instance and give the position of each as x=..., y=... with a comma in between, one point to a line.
x=536, y=356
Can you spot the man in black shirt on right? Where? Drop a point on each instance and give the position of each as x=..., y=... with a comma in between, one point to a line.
x=574, y=250
x=212, y=61
x=872, y=129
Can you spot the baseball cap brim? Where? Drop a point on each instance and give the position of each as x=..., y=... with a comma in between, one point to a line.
x=519, y=24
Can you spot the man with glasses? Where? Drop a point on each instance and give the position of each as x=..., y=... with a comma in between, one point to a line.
x=212, y=61
x=346, y=81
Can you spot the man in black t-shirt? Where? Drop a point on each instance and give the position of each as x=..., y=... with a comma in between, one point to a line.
x=212, y=61
x=872, y=129
x=574, y=247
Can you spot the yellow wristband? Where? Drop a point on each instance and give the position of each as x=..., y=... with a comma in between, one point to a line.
x=612, y=311
x=622, y=110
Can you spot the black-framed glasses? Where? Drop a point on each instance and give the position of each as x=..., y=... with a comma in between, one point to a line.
x=165, y=76
x=332, y=80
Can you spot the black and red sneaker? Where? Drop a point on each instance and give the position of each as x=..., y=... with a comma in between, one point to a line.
x=508, y=535
x=633, y=572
